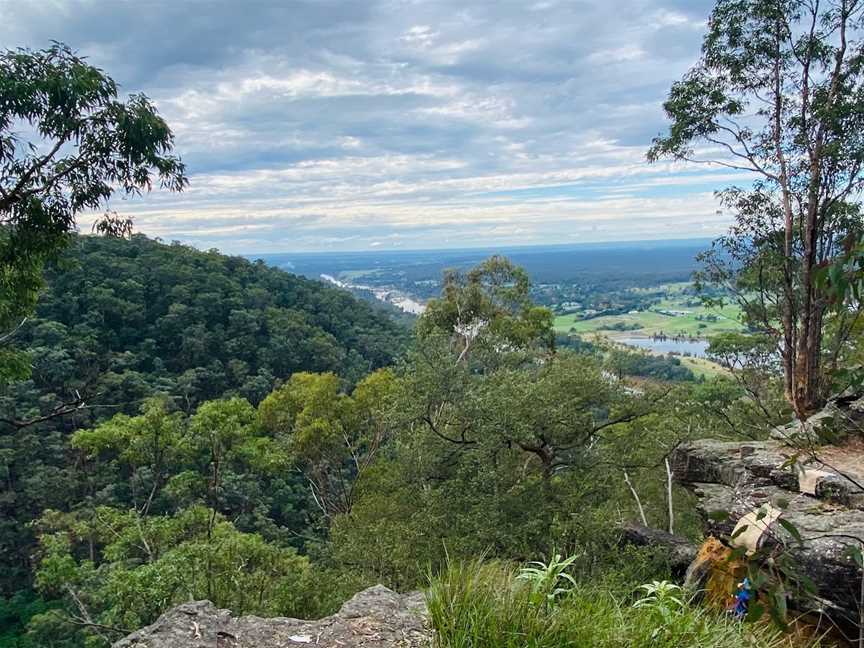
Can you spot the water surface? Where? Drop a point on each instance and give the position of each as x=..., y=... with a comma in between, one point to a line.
x=692, y=347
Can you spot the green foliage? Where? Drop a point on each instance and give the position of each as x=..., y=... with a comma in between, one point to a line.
x=288, y=507
x=14, y=366
x=219, y=429
x=508, y=462
x=131, y=323
x=490, y=302
x=485, y=605
x=311, y=411
x=88, y=146
x=777, y=92
x=548, y=580
x=127, y=569
x=156, y=531
x=625, y=362
x=663, y=598
x=143, y=316
x=331, y=436
x=505, y=451
x=15, y=613
x=843, y=282
x=140, y=440
x=185, y=477
x=732, y=407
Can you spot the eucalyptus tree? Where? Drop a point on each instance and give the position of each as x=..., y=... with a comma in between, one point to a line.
x=484, y=374
x=490, y=304
x=779, y=92
x=332, y=437
x=67, y=145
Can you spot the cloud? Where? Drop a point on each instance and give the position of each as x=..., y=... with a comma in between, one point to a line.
x=385, y=123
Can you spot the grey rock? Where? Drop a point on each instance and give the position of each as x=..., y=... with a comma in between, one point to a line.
x=842, y=414
x=374, y=618
x=679, y=551
x=727, y=480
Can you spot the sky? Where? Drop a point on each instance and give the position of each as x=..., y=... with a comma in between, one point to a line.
x=391, y=124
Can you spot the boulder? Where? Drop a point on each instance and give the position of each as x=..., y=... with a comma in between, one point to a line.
x=679, y=551
x=734, y=480
x=374, y=618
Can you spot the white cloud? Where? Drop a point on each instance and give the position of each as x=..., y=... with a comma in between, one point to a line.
x=420, y=36
x=394, y=123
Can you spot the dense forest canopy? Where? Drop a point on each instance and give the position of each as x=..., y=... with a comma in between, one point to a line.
x=210, y=323
x=123, y=321
x=178, y=424
x=188, y=410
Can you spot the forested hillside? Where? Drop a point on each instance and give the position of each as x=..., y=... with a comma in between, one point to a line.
x=202, y=323
x=165, y=477
x=179, y=425
x=122, y=321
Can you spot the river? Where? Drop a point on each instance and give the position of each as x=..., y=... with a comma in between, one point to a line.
x=695, y=348
x=398, y=299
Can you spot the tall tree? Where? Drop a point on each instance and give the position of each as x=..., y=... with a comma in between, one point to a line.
x=490, y=303
x=779, y=92
x=67, y=144
x=334, y=438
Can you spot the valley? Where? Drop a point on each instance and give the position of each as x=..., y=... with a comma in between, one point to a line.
x=611, y=290
x=432, y=324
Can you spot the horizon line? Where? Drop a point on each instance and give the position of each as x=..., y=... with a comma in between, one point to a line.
x=479, y=248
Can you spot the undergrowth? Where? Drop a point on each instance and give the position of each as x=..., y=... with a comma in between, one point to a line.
x=482, y=604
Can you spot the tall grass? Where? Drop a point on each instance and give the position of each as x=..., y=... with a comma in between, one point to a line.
x=483, y=605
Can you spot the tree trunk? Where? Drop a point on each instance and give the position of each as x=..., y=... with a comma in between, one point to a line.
x=669, y=502
x=636, y=497
x=789, y=320
x=807, y=397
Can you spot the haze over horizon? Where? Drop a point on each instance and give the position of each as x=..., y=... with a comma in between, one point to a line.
x=401, y=125
x=530, y=248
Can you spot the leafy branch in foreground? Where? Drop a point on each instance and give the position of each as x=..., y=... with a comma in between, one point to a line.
x=87, y=145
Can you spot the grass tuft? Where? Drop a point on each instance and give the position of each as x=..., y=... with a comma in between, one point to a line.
x=482, y=604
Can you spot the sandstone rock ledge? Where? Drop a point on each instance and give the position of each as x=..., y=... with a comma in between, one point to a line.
x=739, y=478
x=374, y=618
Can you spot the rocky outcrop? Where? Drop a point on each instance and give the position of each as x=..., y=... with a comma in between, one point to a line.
x=841, y=415
x=821, y=498
x=679, y=552
x=374, y=618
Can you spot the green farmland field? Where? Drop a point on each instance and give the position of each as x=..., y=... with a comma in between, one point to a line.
x=648, y=322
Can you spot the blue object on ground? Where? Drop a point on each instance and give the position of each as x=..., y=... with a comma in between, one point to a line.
x=742, y=598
